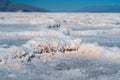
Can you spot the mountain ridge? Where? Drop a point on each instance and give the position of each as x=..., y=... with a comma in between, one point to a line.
x=8, y=6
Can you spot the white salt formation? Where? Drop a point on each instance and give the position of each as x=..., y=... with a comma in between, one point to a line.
x=53, y=45
x=43, y=45
x=56, y=34
x=71, y=19
x=59, y=46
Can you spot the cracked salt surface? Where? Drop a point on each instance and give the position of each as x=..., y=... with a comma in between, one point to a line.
x=57, y=46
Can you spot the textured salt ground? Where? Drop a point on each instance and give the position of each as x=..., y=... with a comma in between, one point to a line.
x=103, y=40
x=69, y=19
x=67, y=67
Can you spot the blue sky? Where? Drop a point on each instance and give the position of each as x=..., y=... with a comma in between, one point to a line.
x=67, y=5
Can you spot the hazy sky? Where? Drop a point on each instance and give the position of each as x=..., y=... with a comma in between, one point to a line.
x=67, y=5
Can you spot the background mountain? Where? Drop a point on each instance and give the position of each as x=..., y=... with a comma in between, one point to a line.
x=108, y=8
x=8, y=6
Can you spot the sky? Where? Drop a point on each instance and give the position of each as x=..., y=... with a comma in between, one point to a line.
x=67, y=5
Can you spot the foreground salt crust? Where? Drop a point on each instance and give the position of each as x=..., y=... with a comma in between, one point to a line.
x=55, y=53
x=48, y=46
x=55, y=36
x=39, y=46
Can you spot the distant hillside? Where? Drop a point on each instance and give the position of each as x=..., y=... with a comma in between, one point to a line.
x=113, y=8
x=7, y=6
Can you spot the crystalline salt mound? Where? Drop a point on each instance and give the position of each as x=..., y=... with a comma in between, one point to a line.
x=45, y=44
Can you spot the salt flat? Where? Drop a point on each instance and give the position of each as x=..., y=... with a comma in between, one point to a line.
x=60, y=46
